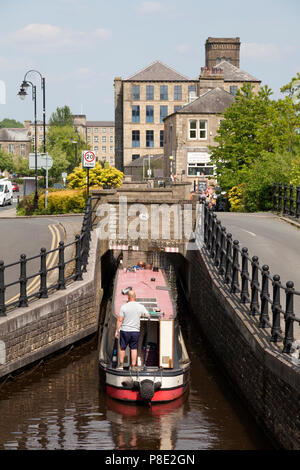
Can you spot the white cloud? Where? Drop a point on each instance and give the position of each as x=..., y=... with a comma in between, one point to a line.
x=103, y=33
x=37, y=32
x=267, y=51
x=183, y=49
x=152, y=7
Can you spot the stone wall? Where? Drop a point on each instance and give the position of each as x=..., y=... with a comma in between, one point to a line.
x=46, y=326
x=263, y=376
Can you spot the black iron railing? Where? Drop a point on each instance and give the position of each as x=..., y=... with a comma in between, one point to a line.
x=256, y=289
x=42, y=279
x=286, y=199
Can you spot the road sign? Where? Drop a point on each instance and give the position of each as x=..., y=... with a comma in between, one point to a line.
x=88, y=159
x=43, y=160
x=64, y=175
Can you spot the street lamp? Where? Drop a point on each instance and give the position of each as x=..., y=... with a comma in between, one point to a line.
x=76, y=142
x=22, y=94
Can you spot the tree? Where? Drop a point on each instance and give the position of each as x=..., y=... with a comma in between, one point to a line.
x=6, y=162
x=99, y=176
x=61, y=117
x=252, y=125
x=61, y=147
x=10, y=123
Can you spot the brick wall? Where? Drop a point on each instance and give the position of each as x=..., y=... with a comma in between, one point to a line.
x=31, y=333
x=260, y=373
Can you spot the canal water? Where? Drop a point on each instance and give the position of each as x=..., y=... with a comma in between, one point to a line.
x=61, y=404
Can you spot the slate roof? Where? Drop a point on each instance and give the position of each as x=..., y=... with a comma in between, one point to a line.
x=159, y=72
x=11, y=134
x=214, y=101
x=100, y=123
x=234, y=74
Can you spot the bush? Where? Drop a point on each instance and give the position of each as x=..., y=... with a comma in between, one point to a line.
x=236, y=199
x=58, y=202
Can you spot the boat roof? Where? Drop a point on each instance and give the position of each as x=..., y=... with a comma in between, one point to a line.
x=151, y=293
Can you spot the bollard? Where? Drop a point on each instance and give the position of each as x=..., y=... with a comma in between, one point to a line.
x=43, y=294
x=276, y=330
x=245, y=277
x=264, y=305
x=2, y=290
x=289, y=318
x=23, y=301
x=254, y=286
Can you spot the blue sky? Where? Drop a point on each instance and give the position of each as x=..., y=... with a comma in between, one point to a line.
x=81, y=46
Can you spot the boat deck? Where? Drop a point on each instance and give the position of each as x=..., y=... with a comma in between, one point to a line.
x=150, y=293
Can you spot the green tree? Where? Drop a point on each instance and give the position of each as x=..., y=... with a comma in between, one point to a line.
x=99, y=176
x=10, y=123
x=6, y=162
x=61, y=117
x=61, y=147
x=252, y=125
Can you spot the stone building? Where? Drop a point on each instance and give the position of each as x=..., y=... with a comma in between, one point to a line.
x=145, y=101
x=15, y=141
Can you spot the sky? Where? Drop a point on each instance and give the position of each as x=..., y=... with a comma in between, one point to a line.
x=80, y=46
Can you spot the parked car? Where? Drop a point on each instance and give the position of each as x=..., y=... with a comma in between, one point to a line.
x=6, y=193
x=15, y=187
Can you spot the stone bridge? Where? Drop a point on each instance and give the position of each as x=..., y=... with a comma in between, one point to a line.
x=138, y=218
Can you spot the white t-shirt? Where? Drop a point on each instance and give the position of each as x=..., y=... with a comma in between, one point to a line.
x=132, y=311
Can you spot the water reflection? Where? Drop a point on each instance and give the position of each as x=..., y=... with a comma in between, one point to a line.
x=62, y=405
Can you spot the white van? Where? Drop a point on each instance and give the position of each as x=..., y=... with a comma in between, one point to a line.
x=6, y=192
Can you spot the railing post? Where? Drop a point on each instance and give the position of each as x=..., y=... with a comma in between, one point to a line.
x=298, y=202
x=289, y=318
x=61, y=266
x=235, y=268
x=217, y=242
x=291, y=202
x=245, y=277
x=2, y=290
x=285, y=199
x=254, y=307
x=23, y=301
x=43, y=275
x=213, y=235
x=274, y=197
x=222, y=264
x=264, y=305
x=279, y=197
x=78, y=272
x=228, y=258
x=276, y=330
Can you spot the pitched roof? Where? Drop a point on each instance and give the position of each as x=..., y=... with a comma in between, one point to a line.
x=158, y=72
x=214, y=101
x=234, y=74
x=11, y=134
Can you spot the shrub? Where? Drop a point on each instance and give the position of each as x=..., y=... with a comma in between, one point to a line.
x=58, y=202
x=235, y=198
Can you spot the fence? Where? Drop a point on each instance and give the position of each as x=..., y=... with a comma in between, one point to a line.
x=286, y=199
x=80, y=245
x=254, y=288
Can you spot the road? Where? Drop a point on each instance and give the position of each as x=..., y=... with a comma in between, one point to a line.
x=28, y=236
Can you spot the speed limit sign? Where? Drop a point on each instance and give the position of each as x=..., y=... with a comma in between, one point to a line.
x=88, y=159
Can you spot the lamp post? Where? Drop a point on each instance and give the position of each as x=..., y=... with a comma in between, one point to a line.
x=22, y=93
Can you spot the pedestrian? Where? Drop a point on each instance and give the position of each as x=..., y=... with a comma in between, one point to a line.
x=128, y=328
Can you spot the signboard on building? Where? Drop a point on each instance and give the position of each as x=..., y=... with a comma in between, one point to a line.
x=198, y=157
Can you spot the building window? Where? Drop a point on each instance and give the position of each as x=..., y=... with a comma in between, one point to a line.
x=233, y=90
x=163, y=92
x=22, y=149
x=203, y=130
x=161, y=138
x=111, y=149
x=96, y=148
x=89, y=139
x=104, y=138
x=96, y=129
x=111, y=130
x=149, y=113
x=176, y=108
x=135, y=92
x=40, y=138
x=199, y=169
x=11, y=148
x=88, y=129
x=149, y=138
x=111, y=139
x=192, y=89
x=135, y=113
x=149, y=92
x=163, y=112
x=193, y=129
x=135, y=157
x=96, y=138
x=177, y=92
x=103, y=149
x=103, y=129
x=135, y=138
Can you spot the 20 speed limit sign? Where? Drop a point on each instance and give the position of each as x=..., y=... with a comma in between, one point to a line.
x=88, y=159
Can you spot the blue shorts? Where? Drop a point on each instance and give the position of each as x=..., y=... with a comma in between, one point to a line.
x=129, y=337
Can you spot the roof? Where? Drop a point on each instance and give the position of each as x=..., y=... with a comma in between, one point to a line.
x=214, y=101
x=100, y=123
x=11, y=134
x=234, y=74
x=159, y=72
